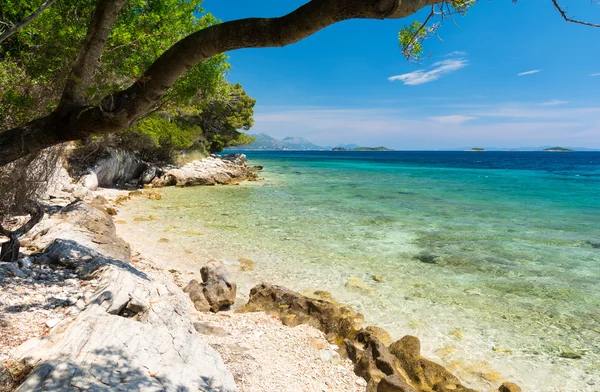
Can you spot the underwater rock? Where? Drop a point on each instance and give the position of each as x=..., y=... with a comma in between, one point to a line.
x=427, y=258
x=570, y=355
x=246, y=264
x=358, y=283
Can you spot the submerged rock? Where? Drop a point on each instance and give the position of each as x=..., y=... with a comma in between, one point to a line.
x=427, y=258
x=246, y=264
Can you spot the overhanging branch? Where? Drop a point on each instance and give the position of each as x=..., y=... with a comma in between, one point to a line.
x=569, y=19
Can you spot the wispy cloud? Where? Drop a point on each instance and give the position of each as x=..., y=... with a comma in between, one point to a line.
x=456, y=53
x=595, y=74
x=533, y=71
x=436, y=71
x=554, y=102
x=452, y=119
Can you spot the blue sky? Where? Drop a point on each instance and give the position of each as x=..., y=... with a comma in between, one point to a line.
x=511, y=75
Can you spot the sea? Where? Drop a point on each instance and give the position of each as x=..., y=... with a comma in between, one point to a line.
x=492, y=259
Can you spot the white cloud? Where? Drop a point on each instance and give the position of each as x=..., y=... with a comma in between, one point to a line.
x=595, y=74
x=436, y=71
x=452, y=119
x=554, y=102
x=456, y=53
x=533, y=71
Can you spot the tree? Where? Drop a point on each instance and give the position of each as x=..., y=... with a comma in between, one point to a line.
x=76, y=116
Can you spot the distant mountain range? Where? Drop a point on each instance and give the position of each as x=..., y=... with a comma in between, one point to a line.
x=267, y=142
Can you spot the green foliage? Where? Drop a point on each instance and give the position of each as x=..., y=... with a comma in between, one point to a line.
x=205, y=125
x=43, y=52
x=201, y=110
x=158, y=138
x=223, y=115
x=412, y=36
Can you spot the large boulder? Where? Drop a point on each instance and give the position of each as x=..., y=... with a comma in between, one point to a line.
x=338, y=322
x=213, y=170
x=118, y=168
x=216, y=292
x=79, y=230
x=134, y=332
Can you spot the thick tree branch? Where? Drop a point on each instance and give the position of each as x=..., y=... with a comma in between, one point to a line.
x=81, y=74
x=36, y=214
x=12, y=30
x=122, y=109
x=568, y=19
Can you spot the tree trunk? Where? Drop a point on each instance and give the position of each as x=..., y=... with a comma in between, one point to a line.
x=10, y=250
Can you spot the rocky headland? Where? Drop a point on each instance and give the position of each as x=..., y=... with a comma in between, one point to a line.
x=81, y=311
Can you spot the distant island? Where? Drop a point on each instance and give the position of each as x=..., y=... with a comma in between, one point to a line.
x=380, y=148
x=558, y=149
x=478, y=149
x=265, y=142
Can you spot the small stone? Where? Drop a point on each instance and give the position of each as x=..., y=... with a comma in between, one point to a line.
x=570, y=355
x=153, y=217
x=120, y=222
x=111, y=211
x=209, y=329
x=80, y=304
x=43, y=260
x=377, y=278
x=52, y=322
x=319, y=344
x=509, y=387
x=164, y=240
x=25, y=263
x=141, y=219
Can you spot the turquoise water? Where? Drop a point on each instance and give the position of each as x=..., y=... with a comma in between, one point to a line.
x=492, y=259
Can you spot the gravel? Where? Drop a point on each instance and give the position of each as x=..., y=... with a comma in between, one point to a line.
x=264, y=355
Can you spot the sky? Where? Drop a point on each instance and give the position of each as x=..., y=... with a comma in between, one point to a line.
x=506, y=75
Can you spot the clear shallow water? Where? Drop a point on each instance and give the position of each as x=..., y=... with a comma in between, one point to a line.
x=492, y=259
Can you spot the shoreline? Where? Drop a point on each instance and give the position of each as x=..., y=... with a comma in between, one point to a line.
x=174, y=255
x=466, y=355
x=121, y=280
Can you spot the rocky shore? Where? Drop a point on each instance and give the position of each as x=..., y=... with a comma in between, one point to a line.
x=122, y=169
x=82, y=311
